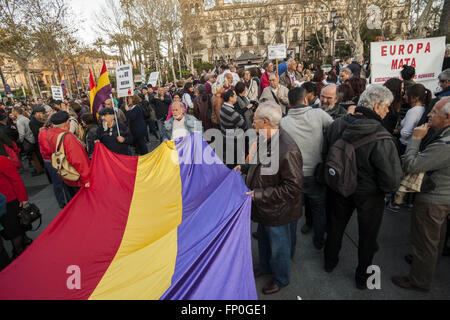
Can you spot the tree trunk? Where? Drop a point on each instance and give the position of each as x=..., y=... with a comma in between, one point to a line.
x=29, y=81
x=444, y=26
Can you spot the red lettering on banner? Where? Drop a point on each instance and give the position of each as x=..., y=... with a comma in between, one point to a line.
x=419, y=47
x=410, y=48
x=390, y=50
x=400, y=64
x=413, y=62
x=384, y=51
x=407, y=61
x=428, y=48
x=394, y=64
x=401, y=48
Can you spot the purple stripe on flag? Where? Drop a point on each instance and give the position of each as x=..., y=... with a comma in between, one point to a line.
x=214, y=259
x=101, y=96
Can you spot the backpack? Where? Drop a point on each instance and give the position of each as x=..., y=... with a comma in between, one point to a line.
x=340, y=167
x=146, y=111
x=60, y=163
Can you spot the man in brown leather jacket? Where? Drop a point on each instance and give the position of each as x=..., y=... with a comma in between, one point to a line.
x=276, y=183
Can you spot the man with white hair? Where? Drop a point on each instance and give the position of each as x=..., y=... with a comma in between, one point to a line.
x=444, y=83
x=275, y=93
x=181, y=124
x=277, y=196
x=291, y=75
x=378, y=172
x=432, y=204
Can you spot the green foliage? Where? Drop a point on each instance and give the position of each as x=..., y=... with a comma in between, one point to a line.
x=343, y=51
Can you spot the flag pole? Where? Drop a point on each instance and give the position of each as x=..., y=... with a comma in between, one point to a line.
x=115, y=114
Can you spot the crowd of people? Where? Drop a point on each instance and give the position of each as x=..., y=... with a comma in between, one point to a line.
x=396, y=137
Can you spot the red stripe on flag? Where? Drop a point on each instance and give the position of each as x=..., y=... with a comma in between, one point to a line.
x=86, y=234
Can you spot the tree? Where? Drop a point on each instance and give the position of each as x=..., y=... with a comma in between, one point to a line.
x=424, y=17
x=18, y=39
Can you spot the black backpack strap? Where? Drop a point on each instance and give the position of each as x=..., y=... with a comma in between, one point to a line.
x=371, y=138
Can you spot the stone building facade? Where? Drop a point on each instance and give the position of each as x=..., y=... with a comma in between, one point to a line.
x=225, y=31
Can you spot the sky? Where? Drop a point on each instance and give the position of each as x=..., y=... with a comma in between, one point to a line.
x=84, y=10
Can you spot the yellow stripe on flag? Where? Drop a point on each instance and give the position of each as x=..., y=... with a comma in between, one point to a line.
x=145, y=262
x=103, y=81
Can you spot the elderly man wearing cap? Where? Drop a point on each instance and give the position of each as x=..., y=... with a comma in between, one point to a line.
x=75, y=153
x=108, y=134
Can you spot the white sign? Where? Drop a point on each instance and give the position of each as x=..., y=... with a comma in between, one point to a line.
x=153, y=79
x=277, y=52
x=57, y=93
x=125, y=83
x=425, y=55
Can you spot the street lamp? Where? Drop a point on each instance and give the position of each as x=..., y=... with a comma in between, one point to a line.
x=333, y=27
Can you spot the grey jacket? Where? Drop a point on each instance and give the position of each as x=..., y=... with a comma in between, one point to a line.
x=267, y=95
x=191, y=123
x=436, y=159
x=23, y=127
x=307, y=127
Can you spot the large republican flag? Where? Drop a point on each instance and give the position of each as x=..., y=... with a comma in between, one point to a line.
x=160, y=226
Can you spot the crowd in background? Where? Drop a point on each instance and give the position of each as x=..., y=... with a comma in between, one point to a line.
x=316, y=109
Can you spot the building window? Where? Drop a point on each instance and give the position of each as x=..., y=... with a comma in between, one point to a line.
x=279, y=37
x=249, y=39
x=238, y=40
x=261, y=40
x=295, y=35
x=226, y=41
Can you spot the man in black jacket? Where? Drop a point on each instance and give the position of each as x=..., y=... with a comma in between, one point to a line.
x=114, y=135
x=379, y=172
x=36, y=123
x=277, y=196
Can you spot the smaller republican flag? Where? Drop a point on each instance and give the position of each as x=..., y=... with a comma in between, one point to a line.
x=103, y=90
x=92, y=90
x=63, y=84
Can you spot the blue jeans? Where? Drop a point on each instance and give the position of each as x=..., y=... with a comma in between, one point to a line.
x=315, y=194
x=274, y=245
x=59, y=188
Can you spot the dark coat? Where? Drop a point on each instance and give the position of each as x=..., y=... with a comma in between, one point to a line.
x=35, y=125
x=378, y=163
x=203, y=111
x=337, y=111
x=137, y=123
x=161, y=106
x=356, y=69
x=110, y=141
x=278, y=197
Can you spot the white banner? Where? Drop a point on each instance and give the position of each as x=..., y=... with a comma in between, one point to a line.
x=153, y=79
x=425, y=55
x=277, y=52
x=125, y=83
x=57, y=93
